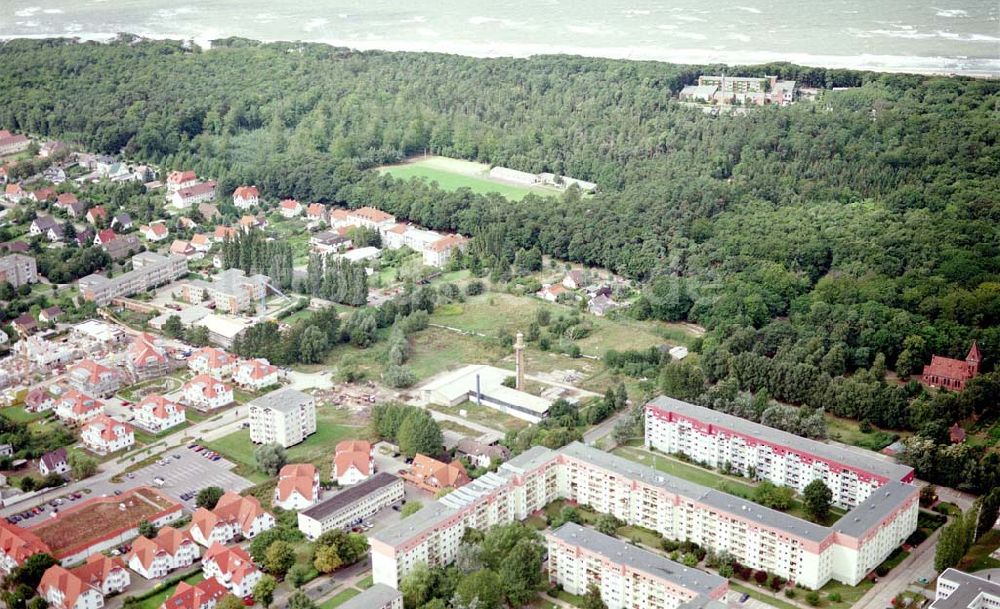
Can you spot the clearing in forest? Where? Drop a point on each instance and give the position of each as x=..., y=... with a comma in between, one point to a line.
x=452, y=174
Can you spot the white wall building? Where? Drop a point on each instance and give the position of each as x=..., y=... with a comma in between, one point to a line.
x=105, y=435
x=171, y=549
x=351, y=505
x=284, y=416
x=212, y=361
x=958, y=590
x=298, y=486
x=156, y=413
x=207, y=393
x=719, y=439
x=231, y=567
x=256, y=374
x=378, y=596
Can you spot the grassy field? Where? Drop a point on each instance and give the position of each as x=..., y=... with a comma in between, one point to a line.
x=761, y=596
x=978, y=557
x=709, y=478
x=154, y=602
x=452, y=174
x=18, y=414
x=435, y=350
x=340, y=598
x=332, y=426
x=849, y=432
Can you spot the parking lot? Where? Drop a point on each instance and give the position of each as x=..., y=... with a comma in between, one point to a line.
x=183, y=471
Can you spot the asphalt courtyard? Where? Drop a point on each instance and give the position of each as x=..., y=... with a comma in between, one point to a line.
x=184, y=471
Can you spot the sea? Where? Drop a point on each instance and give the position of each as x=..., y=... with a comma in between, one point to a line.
x=926, y=36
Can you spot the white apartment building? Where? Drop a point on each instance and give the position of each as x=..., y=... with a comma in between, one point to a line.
x=211, y=360
x=93, y=378
x=232, y=517
x=108, y=575
x=18, y=269
x=758, y=537
x=75, y=407
x=245, y=197
x=378, y=596
x=626, y=576
x=298, y=486
x=156, y=413
x=202, y=192
x=232, y=291
x=958, y=590
x=284, y=416
x=105, y=435
x=232, y=568
x=350, y=505
x=148, y=270
x=719, y=439
x=177, y=180
x=64, y=590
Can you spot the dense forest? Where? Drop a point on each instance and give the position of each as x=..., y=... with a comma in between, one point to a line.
x=820, y=244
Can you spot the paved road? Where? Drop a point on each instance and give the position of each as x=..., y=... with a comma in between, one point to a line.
x=918, y=564
x=603, y=429
x=227, y=421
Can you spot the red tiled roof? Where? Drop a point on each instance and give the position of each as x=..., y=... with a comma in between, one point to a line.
x=106, y=236
x=93, y=369
x=69, y=584
x=18, y=544
x=179, y=177
x=374, y=215
x=435, y=474
x=97, y=569
x=233, y=561
x=290, y=204
x=66, y=198
x=447, y=243
x=296, y=477
x=196, y=190
x=210, y=386
x=246, y=192
x=315, y=210
x=143, y=350
x=947, y=367
x=259, y=368
x=159, y=406
x=199, y=596
x=107, y=427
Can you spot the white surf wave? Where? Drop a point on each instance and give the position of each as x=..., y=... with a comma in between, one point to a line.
x=748, y=9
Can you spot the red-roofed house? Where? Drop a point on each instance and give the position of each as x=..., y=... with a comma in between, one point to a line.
x=552, y=292
x=93, y=378
x=316, y=212
x=432, y=475
x=145, y=359
x=156, y=413
x=75, y=407
x=203, y=595
x=170, y=549
x=39, y=400
x=108, y=575
x=97, y=214
x=440, y=252
x=290, y=208
x=233, y=516
x=298, y=486
x=353, y=462
x=952, y=374
x=207, y=393
x=67, y=202
x=181, y=179
x=16, y=545
x=43, y=195
x=255, y=374
x=231, y=567
x=224, y=232
x=64, y=590
x=156, y=231
x=105, y=435
x=211, y=360
x=14, y=193
x=182, y=248
x=201, y=242
x=245, y=197
x=202, y=192
x=372, y=218
x=248, y=222
x=104, y=236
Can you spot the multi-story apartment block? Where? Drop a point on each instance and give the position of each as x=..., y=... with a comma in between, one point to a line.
x=75, y=407
x=284, y=416
x=761, y=538
x=145, y=358
x=93, y=378
x=232, y=291
x=245, y=197
x=627, y=576
x=205, y=392
x=18, y=269
x=231, y=567
x=378, y=596
x=148, y=270
x=958, y=590
x=745, y=447
x=108, y=575
x=211, y=360
x=16, y=545
x=64, y=590
x=351, y=505
x=177, y=180
x=171, y=549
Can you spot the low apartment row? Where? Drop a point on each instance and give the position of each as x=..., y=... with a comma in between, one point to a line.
x=806, y=553
x=722, y=440
x=148, y=270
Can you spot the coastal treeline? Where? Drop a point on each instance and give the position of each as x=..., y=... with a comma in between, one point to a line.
x=829, y=247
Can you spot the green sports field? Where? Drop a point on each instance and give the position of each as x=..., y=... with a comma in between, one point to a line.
x=452, y=174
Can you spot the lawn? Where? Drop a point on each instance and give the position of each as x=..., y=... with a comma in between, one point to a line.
x=848, y=594
x=709, y=478
x=761, y=596
x=332, y=426
x=436, y=350
x=154, y=602
x=18, y=414
x=849, y=432
x=340, y=598
x=978, y=557
x=366, y=583
x=452, y=174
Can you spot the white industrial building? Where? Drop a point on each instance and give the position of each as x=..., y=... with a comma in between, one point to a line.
x=483, y=386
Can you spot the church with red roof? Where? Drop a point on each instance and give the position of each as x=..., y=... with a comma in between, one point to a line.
x=952, y=374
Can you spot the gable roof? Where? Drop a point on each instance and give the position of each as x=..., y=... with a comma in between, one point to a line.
x=108, y=428
x=198, y=596
x=143, y=349
x=438, y=474
x=246, y=192
x=179, y=177
x=352, y=453
x=69, y=584
x=54, y=458
x=18, y=543
x=97, y=569
x=158, y=406
x=296, y=477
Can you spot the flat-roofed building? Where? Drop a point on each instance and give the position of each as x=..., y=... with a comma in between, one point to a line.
x=958, y=590
x=148, y=270
x=351, y=505
x=484, y=386
x=232, y=291
x=18, y=269
x=717, y=438
x=626, y=576
x=378, y=596
x=285, y=416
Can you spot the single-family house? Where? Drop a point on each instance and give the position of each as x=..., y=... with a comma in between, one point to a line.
x=124, y=246
x=316, y=212
x=50, y=314
x=25, y=324
x=182, y=248
x=56, y=461
x=51, y=148
x=40, y=225
x=97, y=214
x=432, y=475
x=122, y=222
x=481, y=454
x=211, y=361
x=201, y=242
x=155, y=231
x=552, y=292
x=600, y=305
x=43, y=195
x=208, y=211
x=222, y=233
x=14, y=193
x=104, y=237
x=290, y=208
x=573, y=280
x=245, y=197
x=39, y=400
x=75, y=407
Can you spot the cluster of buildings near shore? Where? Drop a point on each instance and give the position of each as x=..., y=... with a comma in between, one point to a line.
x=725, y=90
